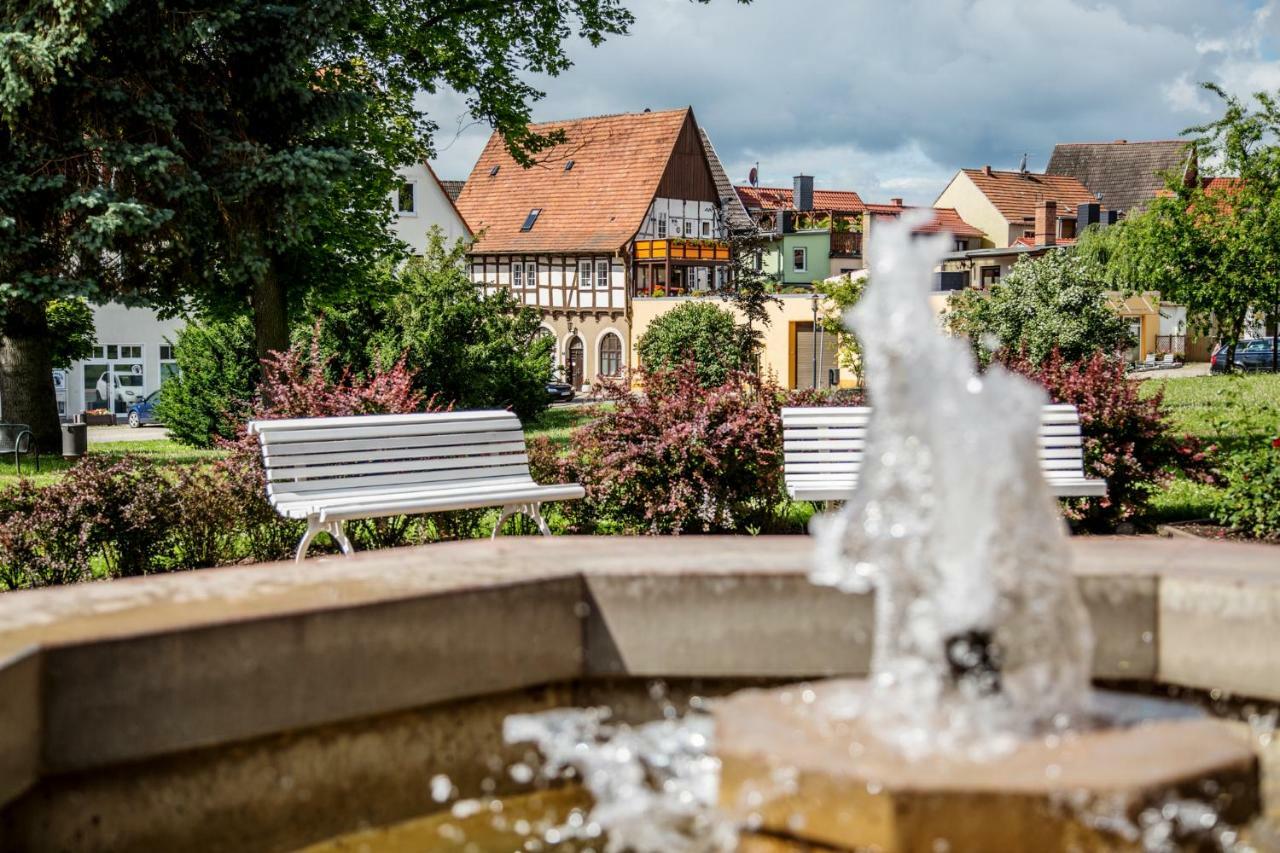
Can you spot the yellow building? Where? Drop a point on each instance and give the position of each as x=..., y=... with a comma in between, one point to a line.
x=790, y=339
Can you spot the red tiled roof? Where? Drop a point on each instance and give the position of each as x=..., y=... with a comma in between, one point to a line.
x=1015, y=194
x=597, y=206
x=944, y=220
x=778, y=198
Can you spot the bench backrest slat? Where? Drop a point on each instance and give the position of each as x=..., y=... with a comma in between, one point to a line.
x=831, y=441
x=384, y=454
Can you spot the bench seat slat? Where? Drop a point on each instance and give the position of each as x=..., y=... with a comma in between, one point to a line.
x=305, y=448
x=375, y=431
x=398, y=479
x=359, y=461
x=360, y=470
x=458, y=419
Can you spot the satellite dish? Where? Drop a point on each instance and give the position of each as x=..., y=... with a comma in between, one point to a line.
x=754, y=176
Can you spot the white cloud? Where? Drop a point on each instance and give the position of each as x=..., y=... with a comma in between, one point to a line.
x=892, y=98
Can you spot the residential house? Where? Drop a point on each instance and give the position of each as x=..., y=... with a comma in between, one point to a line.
x=1122, y=175
x=423, y=201
x=1024, y=214
x=813, y=233
x=134, y=354
x=626, y=207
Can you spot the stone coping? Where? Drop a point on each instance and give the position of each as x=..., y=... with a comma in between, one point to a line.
x=98, y=675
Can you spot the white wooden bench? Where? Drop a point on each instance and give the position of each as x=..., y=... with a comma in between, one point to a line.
x=332, y=470
x=823, y=447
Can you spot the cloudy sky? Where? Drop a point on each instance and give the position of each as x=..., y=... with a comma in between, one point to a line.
x=891, y=97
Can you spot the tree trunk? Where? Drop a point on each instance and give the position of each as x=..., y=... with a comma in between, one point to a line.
x=270, y=315
x=26, y=374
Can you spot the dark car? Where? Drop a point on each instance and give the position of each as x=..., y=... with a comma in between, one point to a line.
x=560, y=392
x=143, y=412
x=1251, y=354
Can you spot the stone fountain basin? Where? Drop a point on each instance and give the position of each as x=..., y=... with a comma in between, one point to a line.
x=795, y=768
x=269, y=707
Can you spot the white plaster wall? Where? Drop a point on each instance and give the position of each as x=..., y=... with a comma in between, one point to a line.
x=678, y=212
x=431, y=207
x=117, y=324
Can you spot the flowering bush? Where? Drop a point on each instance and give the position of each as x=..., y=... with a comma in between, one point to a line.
x=1249, y=503
x=1126, y=438
x=680, y=458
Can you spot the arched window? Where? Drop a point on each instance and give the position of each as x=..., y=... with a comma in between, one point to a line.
x=610, y=355
x=544, y=332
x=575, y=362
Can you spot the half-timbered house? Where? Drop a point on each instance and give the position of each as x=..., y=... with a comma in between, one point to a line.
x=627, y=205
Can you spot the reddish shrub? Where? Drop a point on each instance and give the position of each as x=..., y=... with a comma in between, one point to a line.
x=824, y=397
x=678, y=458
x=301, y=383
x=1126, y=438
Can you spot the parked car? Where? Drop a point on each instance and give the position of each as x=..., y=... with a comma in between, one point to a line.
x=143, y=411
x=1251, y=354
x=560, y=392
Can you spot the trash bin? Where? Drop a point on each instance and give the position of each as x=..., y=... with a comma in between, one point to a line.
x=75, y=440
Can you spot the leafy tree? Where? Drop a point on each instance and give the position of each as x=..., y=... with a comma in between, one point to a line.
x=232, y=152
x=217, y=370
x=464, y=347
x=72, y=330
x=701, y=336
x=750, y=290
x=1213, y=246
x=1054, y=302
x=839, y=297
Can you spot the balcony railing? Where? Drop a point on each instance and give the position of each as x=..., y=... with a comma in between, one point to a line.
x=682, y=249
x=846, y=244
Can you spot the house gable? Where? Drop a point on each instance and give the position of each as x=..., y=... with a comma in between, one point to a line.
x=688, y=174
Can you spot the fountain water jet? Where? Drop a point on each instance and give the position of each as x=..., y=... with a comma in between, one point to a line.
x=978, y=729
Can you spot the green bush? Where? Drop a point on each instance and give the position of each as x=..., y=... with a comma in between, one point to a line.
x=698, y=334
x=217, y=371
x=465, y=348
x=1055, y=302
x=1250, y=503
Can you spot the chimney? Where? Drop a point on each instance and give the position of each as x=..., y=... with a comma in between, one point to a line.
x=1046, y=223
x=896, y=202
x=986, y=170
x=1109, y=217
x=1086, y=215
x=802, y=194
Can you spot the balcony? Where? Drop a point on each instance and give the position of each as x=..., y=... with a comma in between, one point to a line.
x=683, y=249
x=846, y=244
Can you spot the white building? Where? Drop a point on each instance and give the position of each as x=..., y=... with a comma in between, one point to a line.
x=134, y=353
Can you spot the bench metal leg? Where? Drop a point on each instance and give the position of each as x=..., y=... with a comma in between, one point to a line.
x=533, y=510
x=507, y=511
x=314, y=528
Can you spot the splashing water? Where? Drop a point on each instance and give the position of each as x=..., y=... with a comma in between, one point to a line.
x=981, y=635
x=654, y=785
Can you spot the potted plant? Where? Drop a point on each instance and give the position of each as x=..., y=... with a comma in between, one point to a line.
x=98, y=417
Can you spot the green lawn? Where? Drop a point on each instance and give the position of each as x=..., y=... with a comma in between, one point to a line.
x=558, y=423
x=1233, y=412
x=52, y=467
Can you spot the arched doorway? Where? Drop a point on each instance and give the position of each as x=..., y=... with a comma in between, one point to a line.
x=575, y=362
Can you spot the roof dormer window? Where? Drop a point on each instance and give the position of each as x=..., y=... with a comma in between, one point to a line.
x=493, y=173
x=530, y=219
x=568, y=165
